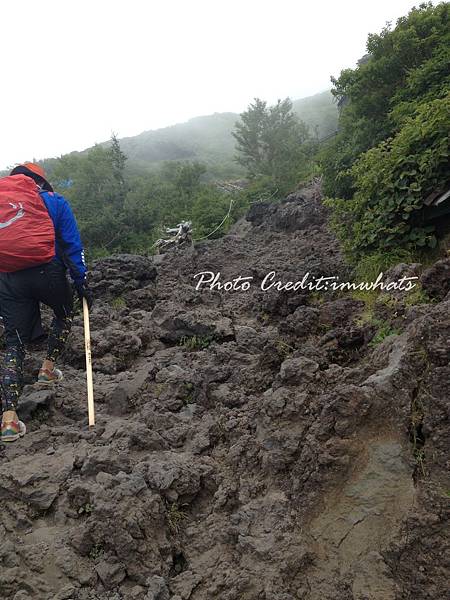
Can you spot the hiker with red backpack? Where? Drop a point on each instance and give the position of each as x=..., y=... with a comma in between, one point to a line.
x=39, y=243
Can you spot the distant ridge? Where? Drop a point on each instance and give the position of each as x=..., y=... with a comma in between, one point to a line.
x=208, y=138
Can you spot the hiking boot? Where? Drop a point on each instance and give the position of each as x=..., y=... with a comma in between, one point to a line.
x=46, y=377
x=12, y=429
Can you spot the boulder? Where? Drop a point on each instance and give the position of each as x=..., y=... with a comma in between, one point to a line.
x=436, y=279
x=110, y=573
x=113, y=276
x=298, y=370
x=157, y=589
x=36, y=482
x=34, y=399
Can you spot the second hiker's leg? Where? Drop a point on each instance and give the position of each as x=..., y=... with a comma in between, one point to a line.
x=18, y=311
x=12, y=385
x=12, y=375
x=57, y=339
x=57, y=293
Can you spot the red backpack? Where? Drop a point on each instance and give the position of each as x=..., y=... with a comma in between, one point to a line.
x=27, y=234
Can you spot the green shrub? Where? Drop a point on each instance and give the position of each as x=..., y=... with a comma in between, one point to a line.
x=392, y=182
x=118, y=303
x=404, y=67
x=370, y=266
x=86, y=509
x=176, y=516
x=96, y=551
x=417, y=296
x=196, y=342
x=384, y=330
x=392, y=150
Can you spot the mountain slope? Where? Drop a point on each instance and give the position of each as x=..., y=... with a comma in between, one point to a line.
x=249, y=444
x=209, y=140
x=319, y=112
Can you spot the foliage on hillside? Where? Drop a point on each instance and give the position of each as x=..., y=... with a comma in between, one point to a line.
x=118, y=212
x=273, y=143
x=319, y=112
x=390, y=152
x=204, y=139
x=209, y=139
x=126, y=209
x=392, y=148
x=124, y=194
x=391, y=182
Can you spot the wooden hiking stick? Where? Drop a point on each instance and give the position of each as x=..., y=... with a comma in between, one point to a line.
x=90, y=381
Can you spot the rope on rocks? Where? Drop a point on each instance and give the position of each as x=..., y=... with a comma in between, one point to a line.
x=225, y=218
x=218, y=226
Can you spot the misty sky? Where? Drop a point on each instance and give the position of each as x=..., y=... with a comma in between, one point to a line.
x=75, y=71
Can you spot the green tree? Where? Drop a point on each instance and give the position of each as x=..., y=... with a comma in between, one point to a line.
x=209, y=209
x=392, y=181
x=118, y=160
x=273, y=142
x=392, y=147
x=94, y=184
x=186, y=176
x=404, y=66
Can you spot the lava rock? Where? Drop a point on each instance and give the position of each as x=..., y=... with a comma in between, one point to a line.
x=33, y=400
x=436, y=279
x=298, y=370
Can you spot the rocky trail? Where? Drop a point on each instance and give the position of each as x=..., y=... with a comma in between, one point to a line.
x=249, y=444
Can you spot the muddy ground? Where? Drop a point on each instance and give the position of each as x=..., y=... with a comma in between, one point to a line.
x=249, y=445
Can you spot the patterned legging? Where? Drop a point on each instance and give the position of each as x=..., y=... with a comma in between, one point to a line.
x=20, y=295
x=12, y=369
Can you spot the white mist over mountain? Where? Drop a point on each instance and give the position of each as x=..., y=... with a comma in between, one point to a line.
x=74, y=72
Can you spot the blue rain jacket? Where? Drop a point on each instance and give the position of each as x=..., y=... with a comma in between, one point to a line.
x=68, y=246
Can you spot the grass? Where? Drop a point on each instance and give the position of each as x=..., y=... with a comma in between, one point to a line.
x=159, y=388
x=175, y=517
x=284, y=349
x=86, y=509
x=264, y=318
x=196, y=342
x=366, y=317
x=316, y=298
x=368, y=270
x=417, y=296
x=189, y=397
x=389, y=301
x=96, y=551
x=419, y=455
x=384, y=330
x=118, y=303
x=369, y=267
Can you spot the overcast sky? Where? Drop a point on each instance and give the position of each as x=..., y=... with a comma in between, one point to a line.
x=75, y=70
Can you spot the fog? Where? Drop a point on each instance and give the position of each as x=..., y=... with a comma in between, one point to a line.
x=73, y=72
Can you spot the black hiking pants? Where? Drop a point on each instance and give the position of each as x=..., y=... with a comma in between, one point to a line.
x=20, y=295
